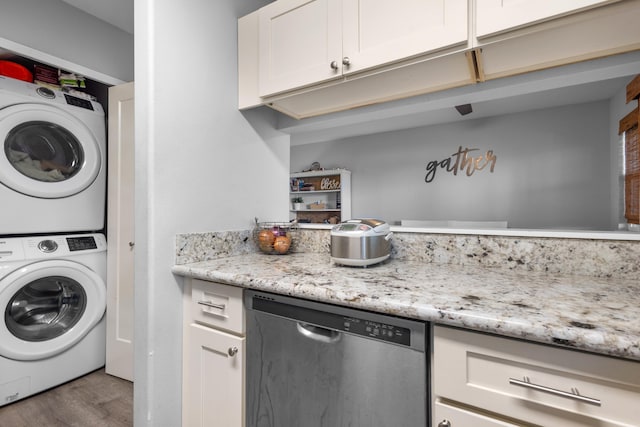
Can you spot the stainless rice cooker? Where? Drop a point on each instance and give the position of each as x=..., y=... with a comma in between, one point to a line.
x=360, y=242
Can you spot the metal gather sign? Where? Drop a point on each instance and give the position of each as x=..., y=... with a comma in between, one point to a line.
x=462, y=160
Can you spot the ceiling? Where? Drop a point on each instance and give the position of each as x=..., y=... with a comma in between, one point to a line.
x=118, y=13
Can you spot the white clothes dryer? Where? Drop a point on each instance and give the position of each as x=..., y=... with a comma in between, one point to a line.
x=52, y=161
x=53, y=301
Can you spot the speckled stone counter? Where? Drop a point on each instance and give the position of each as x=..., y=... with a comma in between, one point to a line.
x=597, y=314
x=587, y=257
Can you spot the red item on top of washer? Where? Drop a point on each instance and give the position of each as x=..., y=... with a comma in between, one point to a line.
x=15, y=71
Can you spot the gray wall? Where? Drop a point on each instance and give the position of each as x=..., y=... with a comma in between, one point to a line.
x=553, y=170
x=201, y=165
x=61, y=31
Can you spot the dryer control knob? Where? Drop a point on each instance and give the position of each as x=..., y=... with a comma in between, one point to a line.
x=47, y=246
x=46, y=92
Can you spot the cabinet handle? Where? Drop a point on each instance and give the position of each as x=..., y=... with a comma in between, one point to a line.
x=232, y=351
x=334, y=65
x=212, y=305
x=573, y=394
x=346, y=61
x=444, y=423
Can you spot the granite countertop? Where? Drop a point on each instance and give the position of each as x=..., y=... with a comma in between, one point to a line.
x=600, y=315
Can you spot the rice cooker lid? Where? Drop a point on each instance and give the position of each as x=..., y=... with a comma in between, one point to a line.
x=364, y=226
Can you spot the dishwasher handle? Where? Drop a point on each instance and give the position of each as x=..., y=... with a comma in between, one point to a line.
x=317, y=333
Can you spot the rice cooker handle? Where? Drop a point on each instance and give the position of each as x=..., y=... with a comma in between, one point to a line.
x=388, y=236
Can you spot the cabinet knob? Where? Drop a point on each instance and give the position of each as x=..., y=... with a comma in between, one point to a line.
x=232, y=351
x=444, y=423
x=346, y=61
x=334, y=65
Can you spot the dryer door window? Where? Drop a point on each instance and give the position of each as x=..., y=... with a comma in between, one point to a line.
x=45, y=308
x=46, y=152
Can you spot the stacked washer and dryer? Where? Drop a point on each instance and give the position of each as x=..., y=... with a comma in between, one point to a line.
x=52, y=250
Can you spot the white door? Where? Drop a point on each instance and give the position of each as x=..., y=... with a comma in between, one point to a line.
x=48, y=306
x=446, y=415
x=47, y=152
x=213, y=380
x=299, y=39
x=120, y=233
x=377, y=32
x=493, y=16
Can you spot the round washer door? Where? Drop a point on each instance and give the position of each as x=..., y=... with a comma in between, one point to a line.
x=47, y=307
x=46, y=152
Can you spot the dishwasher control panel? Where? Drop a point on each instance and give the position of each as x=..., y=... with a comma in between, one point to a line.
x=336, y=318
x=381, y=331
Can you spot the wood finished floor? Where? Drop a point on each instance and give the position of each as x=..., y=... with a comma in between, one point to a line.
x=95, y=400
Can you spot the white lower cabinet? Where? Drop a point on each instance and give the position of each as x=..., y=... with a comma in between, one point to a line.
x=505, y=382
x=213, y=356
x=447, y=415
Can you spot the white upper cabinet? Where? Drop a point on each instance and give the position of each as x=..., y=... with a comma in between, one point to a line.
x=494, y=16
x=298, y=40
x=378, y=32
x=306, y=58
x=306, y=42
x=515, y=37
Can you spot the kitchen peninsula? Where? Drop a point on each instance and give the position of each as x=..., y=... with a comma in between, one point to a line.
x=600, y=315
x=572, y=305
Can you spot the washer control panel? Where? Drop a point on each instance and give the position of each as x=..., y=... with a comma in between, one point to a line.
x=78, y=102
x=43, y=247
x=81, y=243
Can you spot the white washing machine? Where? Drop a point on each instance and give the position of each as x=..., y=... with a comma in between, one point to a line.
x=53, y=301
x=52, y=161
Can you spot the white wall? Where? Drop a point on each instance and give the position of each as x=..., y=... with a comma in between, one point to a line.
x=552, y=170
x=54, y=32
x=201, y=165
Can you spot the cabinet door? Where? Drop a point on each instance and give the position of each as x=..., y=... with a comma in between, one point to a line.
x=538, y=384
x=299, y=39
x=493, y=16
x=450, y=416
x=213, y=384
x=377, y=32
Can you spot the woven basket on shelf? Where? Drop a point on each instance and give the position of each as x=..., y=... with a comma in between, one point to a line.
x=275, y=238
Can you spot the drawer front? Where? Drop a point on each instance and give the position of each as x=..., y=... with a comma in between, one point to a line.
x=217, y=305
x=536, y=383
x=445, y=415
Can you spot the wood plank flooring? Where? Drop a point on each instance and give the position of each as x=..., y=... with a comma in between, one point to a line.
x=95, y=400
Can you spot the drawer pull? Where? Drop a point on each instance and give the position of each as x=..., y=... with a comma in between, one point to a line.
x=212, y=305
x=525, y=382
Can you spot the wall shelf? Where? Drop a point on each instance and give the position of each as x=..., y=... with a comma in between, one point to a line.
x=331, y=187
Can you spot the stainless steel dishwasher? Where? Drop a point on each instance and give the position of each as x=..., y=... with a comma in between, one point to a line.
x=311, y=364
